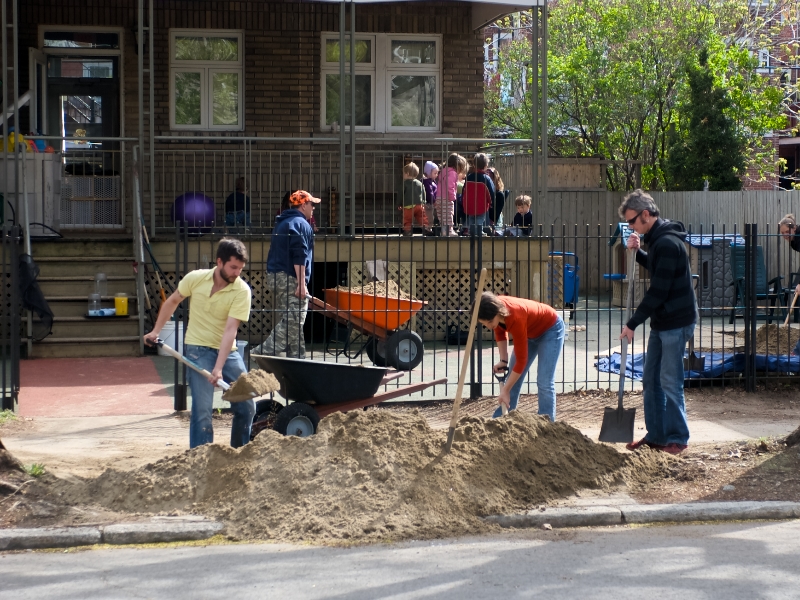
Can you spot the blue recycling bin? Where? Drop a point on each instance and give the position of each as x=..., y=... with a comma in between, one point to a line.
x=572, y=281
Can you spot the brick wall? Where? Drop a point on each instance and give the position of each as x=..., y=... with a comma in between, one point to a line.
x=282, y=49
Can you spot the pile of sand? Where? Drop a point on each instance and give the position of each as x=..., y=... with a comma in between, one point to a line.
x=388, y=288
x=254, y=384
x=371, y=476
x=775, y=339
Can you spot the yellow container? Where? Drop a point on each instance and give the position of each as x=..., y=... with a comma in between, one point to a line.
x=121, y=304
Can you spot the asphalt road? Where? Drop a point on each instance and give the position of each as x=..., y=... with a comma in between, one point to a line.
x=732, y=561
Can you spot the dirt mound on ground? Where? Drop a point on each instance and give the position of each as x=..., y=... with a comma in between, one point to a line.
x=774, y=339
x=372, y=476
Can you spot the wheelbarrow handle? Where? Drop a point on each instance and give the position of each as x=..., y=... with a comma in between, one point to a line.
x=191, y=364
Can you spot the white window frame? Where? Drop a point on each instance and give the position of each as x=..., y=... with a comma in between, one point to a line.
x=382, y=69
x=361, y=69
x=206, y=68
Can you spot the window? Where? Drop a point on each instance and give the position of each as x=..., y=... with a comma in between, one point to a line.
x=206, y=79
x=397, y=82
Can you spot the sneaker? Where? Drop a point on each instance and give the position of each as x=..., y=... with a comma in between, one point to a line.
x=673, y=448
x=452, y=233
x=642, y=442
x=407, y=234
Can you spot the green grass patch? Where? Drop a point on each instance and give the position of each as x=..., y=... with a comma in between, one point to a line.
x=35, y=470
x=6, y=416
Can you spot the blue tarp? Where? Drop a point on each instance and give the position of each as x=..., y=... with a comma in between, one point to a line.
x=717, y=363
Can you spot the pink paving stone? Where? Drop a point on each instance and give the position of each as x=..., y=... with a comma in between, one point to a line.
x=91, y=387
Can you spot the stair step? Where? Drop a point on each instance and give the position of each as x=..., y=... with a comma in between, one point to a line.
x=87, y=340
x=56, y=259
x=86, y=278
x=61, y=287
x=87, y=348
x=80, y=319
x=82, y=249
x=71, y=327
x=53, y=267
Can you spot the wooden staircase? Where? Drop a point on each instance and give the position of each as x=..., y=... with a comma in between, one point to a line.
x=67, y=277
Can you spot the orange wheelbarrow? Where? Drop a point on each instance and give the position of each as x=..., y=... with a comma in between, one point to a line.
x=376, y=318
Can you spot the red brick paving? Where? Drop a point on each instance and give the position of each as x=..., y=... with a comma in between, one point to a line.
x=91, y=387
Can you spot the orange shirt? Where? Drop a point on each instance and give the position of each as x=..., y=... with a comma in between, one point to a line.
x=527, y=319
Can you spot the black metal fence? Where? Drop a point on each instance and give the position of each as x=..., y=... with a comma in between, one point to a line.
x=10, y=317
x=579, y=270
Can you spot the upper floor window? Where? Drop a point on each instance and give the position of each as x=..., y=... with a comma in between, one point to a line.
x=206, y=79
x=397, y=82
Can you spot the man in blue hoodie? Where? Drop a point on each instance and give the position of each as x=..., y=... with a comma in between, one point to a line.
x=288, y=273
x=671, y=306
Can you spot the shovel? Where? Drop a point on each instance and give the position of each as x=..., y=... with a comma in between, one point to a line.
x=225, y=387
x=617, y=427
x=791, y=308
x=694, y=362
x=501, y=377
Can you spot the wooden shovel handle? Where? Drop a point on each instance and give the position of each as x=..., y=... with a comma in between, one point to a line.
x=179, y=357
x=791, y=308
x=465, y=362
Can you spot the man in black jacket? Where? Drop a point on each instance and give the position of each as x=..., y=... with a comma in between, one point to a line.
x=670, y=304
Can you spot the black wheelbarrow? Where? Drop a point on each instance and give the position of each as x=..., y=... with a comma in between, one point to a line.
x=315, y=389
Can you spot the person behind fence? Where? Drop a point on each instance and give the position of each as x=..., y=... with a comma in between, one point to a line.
x=219, y=302
x=447, y=190
x=237, y=205
x=787, y=227
x=670, y=305
x=523, y=218
x=477, y=197
x=288, y=273
x=286, y=206
x=537, y=330
x=496, y=212
x=413, y=201
x=430, y=171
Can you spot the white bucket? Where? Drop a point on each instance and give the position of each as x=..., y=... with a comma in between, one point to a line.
x=240, y=348
x=168, y=335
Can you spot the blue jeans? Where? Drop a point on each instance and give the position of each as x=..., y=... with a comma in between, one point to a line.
x=475, y=223
x=201, y=431
x=239, y=217
x=548, y=347
x=664, y=408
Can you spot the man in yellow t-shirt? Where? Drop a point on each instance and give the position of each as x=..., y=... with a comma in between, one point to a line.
x=220, y=300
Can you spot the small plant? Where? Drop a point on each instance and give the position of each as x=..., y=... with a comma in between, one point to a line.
x=35, y=470
x=6, y=416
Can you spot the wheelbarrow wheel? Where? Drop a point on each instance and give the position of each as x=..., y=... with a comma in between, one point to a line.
x=404, y=350
x=376, y=351
x=298, y=419
x=266, y=414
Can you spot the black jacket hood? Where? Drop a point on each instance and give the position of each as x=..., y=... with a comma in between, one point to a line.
x=664, y=227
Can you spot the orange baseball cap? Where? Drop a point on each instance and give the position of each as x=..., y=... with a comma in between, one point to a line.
x=300, y=197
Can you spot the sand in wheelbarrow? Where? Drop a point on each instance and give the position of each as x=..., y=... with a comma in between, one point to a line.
x=254, y=384
x=371, y=476
x=388, y=288
x=775, y=339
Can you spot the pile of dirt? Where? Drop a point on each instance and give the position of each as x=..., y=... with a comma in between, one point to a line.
x=254, y=384
x=371, y=476
x=388, y=288
x=776, y=339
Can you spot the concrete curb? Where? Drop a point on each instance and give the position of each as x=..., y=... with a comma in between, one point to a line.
x=649, y=513
x=150, y=532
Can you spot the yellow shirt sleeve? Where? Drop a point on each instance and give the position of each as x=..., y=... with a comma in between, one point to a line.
x=240, y=307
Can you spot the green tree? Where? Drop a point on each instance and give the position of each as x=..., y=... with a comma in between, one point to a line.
x=710, y=150
x=618, y=80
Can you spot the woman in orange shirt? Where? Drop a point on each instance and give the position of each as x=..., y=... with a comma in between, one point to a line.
x=537, y=330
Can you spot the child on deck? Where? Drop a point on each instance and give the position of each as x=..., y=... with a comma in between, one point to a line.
x=237, y=205
x=447, y=190
x=413, y=200
x=429, y=174
x=478, y=195
x=523, y=219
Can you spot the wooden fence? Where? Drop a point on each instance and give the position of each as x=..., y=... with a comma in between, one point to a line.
x=567, y=215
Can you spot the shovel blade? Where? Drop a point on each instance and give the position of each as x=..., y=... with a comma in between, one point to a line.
x=694, y=363
x=617, y=427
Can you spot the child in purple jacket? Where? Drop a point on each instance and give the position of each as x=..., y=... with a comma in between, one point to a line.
x=429, y=174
